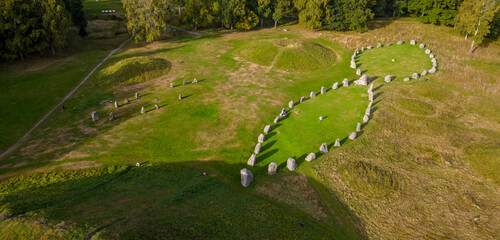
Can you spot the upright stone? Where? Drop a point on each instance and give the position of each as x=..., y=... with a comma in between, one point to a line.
x=126, y=101
x=310, y=157
x=94, y=116
x=353, y=63
x=424, y=73
x=370, y=96
x=251, y=160
x=415, y=76
x=261, y=138
x=271, y=168
x=433, y=70
x=276, y=119
x=246, y=177
x=313, y=94
x=368, y=111
x=116, y=104
x=421, y=45
x=291, y=164
x=257, y=148
x=388, y=45
x=111, y=116
x=379, y=45
x=365, y=119
x=370, y=89
x=143, y=110
x=267, y=128
x=400, y=42
x=345, y=82
x=358, y=72
x=362, y=49
x=323, y=90
x=195, y=80
x=370, y=104
x=180, y=96
x=156, y=106
x=433, y=60
x=302, y=99
x=431, y=55
x=388, y=78
x=290, y=104
x=335, y=85
x=323, y=148
x=171, y=85
x=136, y=95
x=369, y=47
x=184, y=82
x=363, y=80
x=352, y=136
x=337, y=143
x=413, y=42
x=427, y=51
x=358, y=127
x=406, y=79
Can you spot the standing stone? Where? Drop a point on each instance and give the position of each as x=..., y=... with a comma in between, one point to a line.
x=421, y=45
x=261, y=138
x=180, y=96
x=323, y=148
x=345, y=82
x=251, y=160
x=353, y=63
x=370, y=104
x=323, y=90
x=433, y=60
x=388, y=45
x=290, y=104
x=267, y=128
x=400, y=42
x=433, y=70
x=368, y=111
x=271, y=168
x=413, y=42
x=283, y=113
x=291, y=164
x=370, y=96
x=358, y=127
x=276, y=119
x=365, y=119
x=313, y=94
x=116, y=104
x=171, y=85
x=136, y=95
x=126, y=101
x=184, y=82
x=321, y=118
x=415, y=76
x=335, y=85
x=424, y=73
x=406, y=79
x=352, y=136
x=310, y=157
x=393, y=60
x=195, y=80
x=257, y=148
x=434, y=64
x=143, y=110
x=358, y=72
x=369, y=47
x=94, y=116
x=370, y=89
x=388, y=78
x=379, y=45
x=111, y=116
x=431, y=55
x=156, y=106
x=246, y=177
x=362, y=49
x=302, y=99
x=337, y=143
x=427, y=51
x=363, y=80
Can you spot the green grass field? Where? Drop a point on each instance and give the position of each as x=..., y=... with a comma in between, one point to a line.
x=423, y=167
x=96, y=6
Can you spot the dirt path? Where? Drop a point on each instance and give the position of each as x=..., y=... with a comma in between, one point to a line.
x=64, y=99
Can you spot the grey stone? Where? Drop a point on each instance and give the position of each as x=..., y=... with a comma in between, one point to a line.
x=136, y=95
x=283, y=113
x=337, y=143
x=313, y=94
x=413, y=42
x=365, y=119
x=180, y=96
x=321, y=118
x=370, y=89
x=261, y=138
x=393, y=60
x=433, y=60
x=424, y=73
x=291, y=164
x=323, y=148
x=363, y=80
x=116, y=104
x=421, y=45
x=290, y=104
x=400, y=42
x=358, y=72
x=352, y=136
x=271, y=168
x=323, y=90
x=195, y=80
x=433, y=70
x=171, y=85
x=362, y=49
x=335, y=85
x=434, y=64
x=406, y=79
x=251, y=160
x=370, y=96
x=276, y=119
x=267, y=128
x=257, y=148
x=302, y=99
x=431, y=55
x=345, y=82
x=388, y=78
x=143, y=110
x=370, y=104
x=427, y=51
x=353, y=63
x=368, y=111
x=379, y=45
x=310, y=157
x=156, y=106
x=111, y=116
x=94, y=116
x=358, y=127
x=388, y=45
x=369, y=47
x=246, y=177
x=415, y=76
x=184, y=82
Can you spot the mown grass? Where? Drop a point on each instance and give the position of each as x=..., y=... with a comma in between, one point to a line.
x=96, y=6
x=260, y=52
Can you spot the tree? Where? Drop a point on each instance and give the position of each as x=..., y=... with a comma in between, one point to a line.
x=198, y=12
x=147, y=18
x=55, y=21
x=281, y=7
x=313, y=13
x=75, y=8
x=357, y=14
x=263, y=10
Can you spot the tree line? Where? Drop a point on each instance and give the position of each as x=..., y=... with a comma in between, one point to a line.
x=36, y=26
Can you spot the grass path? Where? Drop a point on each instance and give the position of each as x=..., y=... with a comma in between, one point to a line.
x=64, y=99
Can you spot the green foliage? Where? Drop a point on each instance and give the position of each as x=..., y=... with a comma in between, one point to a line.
x=281, y=7
x=75, y=8
x=55, y=21
x=495, y=27
x=312, y=13
x=198, y=12
x=133, y=70
x=147, y=19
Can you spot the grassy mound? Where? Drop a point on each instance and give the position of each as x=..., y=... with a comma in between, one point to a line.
x=415, y=106
x=133, y=70
x=370, y=179
x=409, y=59
x=288, y=54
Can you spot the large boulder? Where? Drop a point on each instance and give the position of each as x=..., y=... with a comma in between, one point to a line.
x=421, y=45
x=310, y=157
x=424, y=73
x=358, y=127
x=323, y=90
x=335, y=85
x=400, y=42
x=365, y=119
x=352, y=136
x=353, y=63
x=302, y=99
x=94, y=116
x=136, y=95
x=267, y=128
x=257, y=148
x=290, y=104
x=363, y=80
x=369, y=47
x=291, y=164
x=276, y=119
x=415, y=76
x=358, y=72
x=345, y=82
x=388, y=78
x=251, y=160
x=323, y=148
x=143, y=110
x=246, y=177
x=433, y=70
x=427, y=51
x=271, y=168
x=370, y=96
x=370, y=89
x=337, y=143
x=368, y=111
x=413, y=42
x=261, y=138
x=312, y=95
